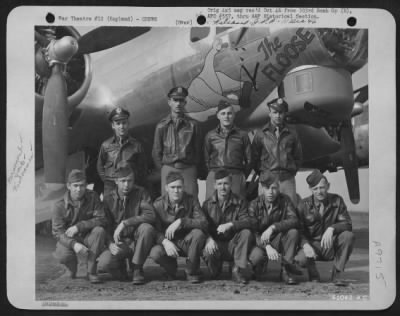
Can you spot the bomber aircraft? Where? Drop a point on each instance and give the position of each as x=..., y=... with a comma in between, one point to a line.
x=80, y=78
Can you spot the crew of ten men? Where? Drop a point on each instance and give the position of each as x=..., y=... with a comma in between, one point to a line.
x=120, y=233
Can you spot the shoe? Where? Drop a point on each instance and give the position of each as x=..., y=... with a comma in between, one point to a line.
x=193, y=278
x=138, y=276
x=287, y=277
x=237, y=276
x=336, y=279
x=94, y=279
x=313, y=274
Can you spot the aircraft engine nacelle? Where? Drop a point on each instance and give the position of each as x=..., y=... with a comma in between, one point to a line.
x=318, y=95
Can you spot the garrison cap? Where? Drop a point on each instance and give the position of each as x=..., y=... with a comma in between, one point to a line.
x=173, y=176
x=268, y=178
x=223, y=105
x=314, y=178
x=178, y=92
x=118, y=114
x=279, y=105
x=123, y=171
x=221, y=173
x=76, y=175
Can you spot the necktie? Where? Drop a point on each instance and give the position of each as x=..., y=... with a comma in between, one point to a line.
x=223, y=206
x=176, y=208
x=269, y=209
x=124, y=205
x=321, y=209
x=277, y=132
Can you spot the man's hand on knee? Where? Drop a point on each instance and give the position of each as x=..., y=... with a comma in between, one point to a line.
x=272, y=253
x=170, y=248
x=114, y=249
x=80, y=248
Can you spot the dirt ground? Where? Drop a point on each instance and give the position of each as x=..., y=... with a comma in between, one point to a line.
x=52, y=282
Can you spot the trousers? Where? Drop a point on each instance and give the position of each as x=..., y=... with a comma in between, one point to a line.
x=340, y=251
x=190, y=246
x=136, y=249
x=285, y=243
x=94, y=241
x=237, y=250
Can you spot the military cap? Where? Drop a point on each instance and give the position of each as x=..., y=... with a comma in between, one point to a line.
x=123, y=171
x=76, y=175
x=118, y=114
x=314, y=178
x=223, y=105
x=173, y=176
x=178, y=92
x=268, y=178
x=221, y=173
x=279, y=105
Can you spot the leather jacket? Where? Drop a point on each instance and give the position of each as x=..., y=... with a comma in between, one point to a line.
x=281, y=155
x=112, y=153
x=189, y=211
x=235, y=211
x=282, y=215
x=313, y=225
x=176, y=142
x=88, y=215
x=137, y=209
x=230, y=150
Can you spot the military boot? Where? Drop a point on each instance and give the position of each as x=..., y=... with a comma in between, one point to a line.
x=313, y=274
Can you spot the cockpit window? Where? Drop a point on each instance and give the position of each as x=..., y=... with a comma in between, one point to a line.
x=199, y=33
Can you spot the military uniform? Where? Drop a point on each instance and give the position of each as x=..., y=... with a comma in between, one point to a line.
x=278, y=150
x=229, y=150
x=176, y=147
x=89, y=217
x=235, y=244
x=189, y=238
x=314, y=223
x=282, y=214
x=136, y=213
x=114, y=152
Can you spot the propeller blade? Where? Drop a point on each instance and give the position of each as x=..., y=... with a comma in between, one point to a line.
x=362, y=94
x=243, y=31
x=108, y=36
x=55, y=127
x=349, y=160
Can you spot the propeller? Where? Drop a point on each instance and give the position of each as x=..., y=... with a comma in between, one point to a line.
x=55, y=127
x=56, y=111
x=108, y=36
x=349, y=160
x=243, y=31
x=361, y=94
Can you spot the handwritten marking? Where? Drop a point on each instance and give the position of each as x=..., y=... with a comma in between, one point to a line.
x=21, y=164
x=378, y=251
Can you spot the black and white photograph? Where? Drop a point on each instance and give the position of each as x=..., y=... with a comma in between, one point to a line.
x=208, y=162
